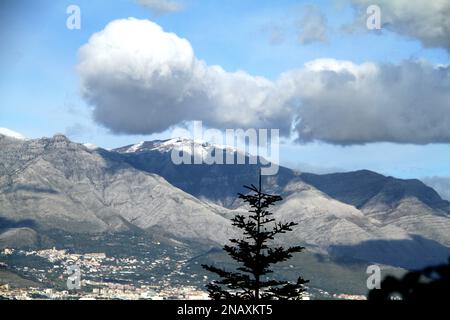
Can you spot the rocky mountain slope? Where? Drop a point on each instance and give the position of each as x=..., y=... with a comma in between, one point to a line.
x=407, y=204
x=60, y=184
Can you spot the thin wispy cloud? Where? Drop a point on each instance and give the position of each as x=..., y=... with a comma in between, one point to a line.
x=440, y=184
x=275, y=33
x=312, y=26
x=161, y=6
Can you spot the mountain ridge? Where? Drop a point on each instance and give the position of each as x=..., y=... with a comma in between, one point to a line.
x=337, y=185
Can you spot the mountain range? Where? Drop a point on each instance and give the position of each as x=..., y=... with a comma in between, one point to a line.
x=56, y=184
x=360, y=214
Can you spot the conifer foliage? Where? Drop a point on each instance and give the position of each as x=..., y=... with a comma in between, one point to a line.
x=255, y=255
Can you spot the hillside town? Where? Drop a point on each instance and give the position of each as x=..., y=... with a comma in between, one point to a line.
x=94, y=278
x=99, y=276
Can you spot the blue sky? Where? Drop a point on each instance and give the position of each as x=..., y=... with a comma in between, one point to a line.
x=40, y=90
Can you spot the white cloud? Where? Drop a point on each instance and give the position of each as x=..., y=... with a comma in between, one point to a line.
x=142, y=80
x=161, y=6
x=428, y=21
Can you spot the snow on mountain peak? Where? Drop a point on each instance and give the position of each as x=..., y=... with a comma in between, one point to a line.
x=188, y=145
x=195, y=147
x=12, y=134
x=135, y=147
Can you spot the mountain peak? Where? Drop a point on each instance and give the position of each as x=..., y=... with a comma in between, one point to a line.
x=360, y=188
x=60, y=137
x=60, y=141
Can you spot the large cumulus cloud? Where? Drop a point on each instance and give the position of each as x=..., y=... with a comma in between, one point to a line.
x=345, y=103
x=142, y=80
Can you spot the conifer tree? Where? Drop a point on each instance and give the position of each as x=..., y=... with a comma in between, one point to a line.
x=255, y=255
